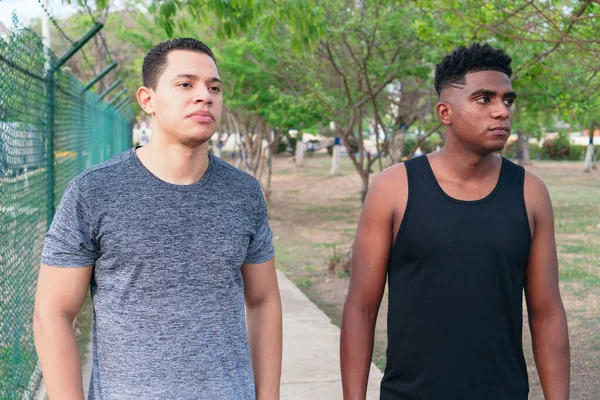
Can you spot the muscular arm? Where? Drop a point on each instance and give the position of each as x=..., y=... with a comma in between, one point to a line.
x=59, y=297
x=370, y=256
x=263, y=307
x=547, y=318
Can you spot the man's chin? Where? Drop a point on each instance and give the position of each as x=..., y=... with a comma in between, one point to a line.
x=195, y=140
x=496, y=146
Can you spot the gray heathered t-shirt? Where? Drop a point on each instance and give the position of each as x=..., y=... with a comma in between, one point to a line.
x=169, y=319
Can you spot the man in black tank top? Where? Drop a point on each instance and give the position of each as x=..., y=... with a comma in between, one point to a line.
x=460, y=235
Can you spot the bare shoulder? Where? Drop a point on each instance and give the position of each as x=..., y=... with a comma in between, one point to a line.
x=535, y=189
x=389, y=194
x=537, y=199
x=534, y=184
x=391, y=180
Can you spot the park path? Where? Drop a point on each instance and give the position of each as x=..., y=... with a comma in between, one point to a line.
x=310, y=352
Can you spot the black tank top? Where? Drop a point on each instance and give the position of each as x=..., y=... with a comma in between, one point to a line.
x=455, y=279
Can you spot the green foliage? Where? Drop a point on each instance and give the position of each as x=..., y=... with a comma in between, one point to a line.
x=304, y=282
x=343, y=274
x=428, y=146
x=408, y=145
x=577, y=152
x=301, y=63
x=431, y=144
x=231, y=18
x=254, y=85
x=536, y=152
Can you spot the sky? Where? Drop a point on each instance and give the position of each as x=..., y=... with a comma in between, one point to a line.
x=27, y=10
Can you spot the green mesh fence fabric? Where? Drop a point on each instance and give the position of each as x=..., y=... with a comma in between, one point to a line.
x=86, y=131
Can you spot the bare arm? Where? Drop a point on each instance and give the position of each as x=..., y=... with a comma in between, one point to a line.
x=370, y=256
x=59, y=297
x=547, y=318
x=263, y=307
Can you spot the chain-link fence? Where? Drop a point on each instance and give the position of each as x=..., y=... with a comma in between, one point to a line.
x=51, y=129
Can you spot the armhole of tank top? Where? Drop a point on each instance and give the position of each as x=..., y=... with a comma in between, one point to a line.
x=406, y=210
x=524, y=204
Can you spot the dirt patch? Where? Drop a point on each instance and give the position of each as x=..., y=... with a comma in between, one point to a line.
x=314, y=217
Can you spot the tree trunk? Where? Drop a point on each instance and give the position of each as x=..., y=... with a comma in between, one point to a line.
x=589, y=155
x=397, y=146
x=269, y=168
x=522, y=140
x=522, y=149
x=595, y=158
x=365, y=185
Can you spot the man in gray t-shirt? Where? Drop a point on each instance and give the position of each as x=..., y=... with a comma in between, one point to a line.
x=175, y=246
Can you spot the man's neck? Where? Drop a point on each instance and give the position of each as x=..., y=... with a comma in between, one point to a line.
x=173, y=162
x=465, y=164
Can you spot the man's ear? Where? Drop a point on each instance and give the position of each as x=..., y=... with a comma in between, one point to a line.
x=444, y=112
x=145, y=97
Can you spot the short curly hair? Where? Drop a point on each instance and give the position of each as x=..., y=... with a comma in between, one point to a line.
x=463, y=60
x=155, y=61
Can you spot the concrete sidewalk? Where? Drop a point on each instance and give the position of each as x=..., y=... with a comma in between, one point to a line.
x=311, y=342
x=311, y=360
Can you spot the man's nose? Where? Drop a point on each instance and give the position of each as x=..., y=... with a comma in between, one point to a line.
x=202, y=95
x=501, y=110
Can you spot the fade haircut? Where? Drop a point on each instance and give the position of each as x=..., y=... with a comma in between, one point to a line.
x=155, y=61
x=463, y=60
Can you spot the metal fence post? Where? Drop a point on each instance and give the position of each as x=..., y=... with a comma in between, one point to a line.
x=50, y=146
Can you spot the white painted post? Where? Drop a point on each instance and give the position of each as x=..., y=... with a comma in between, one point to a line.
x=300, y=152
x=217, y=148
x=335, y=158
x=589, y=155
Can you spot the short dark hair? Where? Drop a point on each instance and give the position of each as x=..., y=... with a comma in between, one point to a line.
x=463, y=60
x=156, y=59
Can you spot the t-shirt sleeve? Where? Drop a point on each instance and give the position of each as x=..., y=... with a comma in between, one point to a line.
x=70, y=241
x=261, y=248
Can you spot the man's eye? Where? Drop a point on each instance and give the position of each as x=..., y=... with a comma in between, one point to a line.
x=483, y=100
x=509, y=102
x=215, y=88
x=185, y=85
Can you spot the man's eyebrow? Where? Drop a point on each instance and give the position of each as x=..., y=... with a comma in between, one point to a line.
x=491, y=93
x=195, y=77
x=185, y=76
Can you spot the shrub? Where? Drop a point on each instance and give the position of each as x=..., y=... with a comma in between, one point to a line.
x=536, y=152
x=557, y=149
x=577, y=152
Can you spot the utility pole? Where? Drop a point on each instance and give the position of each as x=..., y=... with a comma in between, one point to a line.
x=46, y=34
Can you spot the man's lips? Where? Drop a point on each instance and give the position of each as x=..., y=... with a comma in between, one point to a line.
x=201, y=116
x=500, y=130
